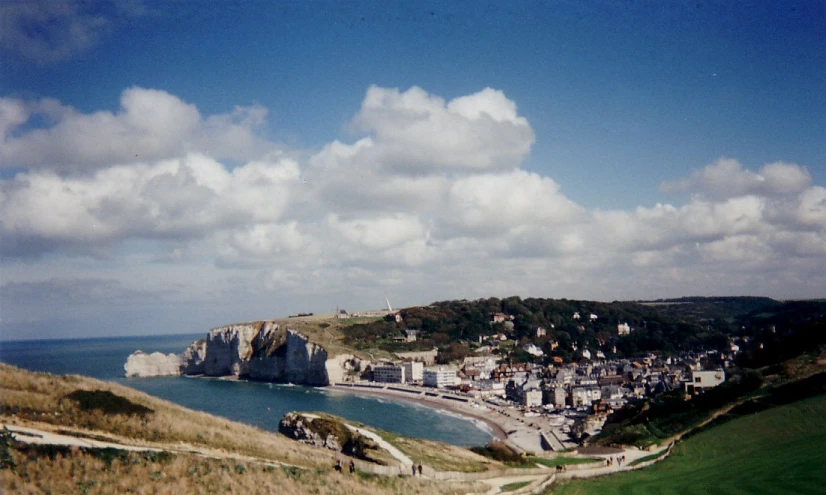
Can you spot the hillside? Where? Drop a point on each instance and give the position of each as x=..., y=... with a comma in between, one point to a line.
x=161, y=447
x=779, y=450
x=656, y=326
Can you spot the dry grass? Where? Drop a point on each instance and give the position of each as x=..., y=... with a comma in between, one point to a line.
x=209, y=454
x=439, y=455
x=50, y=470
x=326, y=331
x=42, y=398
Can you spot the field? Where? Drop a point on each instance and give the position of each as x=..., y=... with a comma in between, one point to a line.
x=780, y=451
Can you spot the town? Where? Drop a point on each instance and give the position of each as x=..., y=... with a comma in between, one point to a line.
x=545, y=403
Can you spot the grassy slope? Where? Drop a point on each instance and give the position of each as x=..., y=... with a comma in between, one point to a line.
x=242, y=452
x=781, y=450
x=328, y=332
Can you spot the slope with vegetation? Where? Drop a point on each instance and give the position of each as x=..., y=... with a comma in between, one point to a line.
x=662, y=326
x=779, y=450
x=195, y=452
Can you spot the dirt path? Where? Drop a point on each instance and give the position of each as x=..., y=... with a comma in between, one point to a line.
x=398, y=454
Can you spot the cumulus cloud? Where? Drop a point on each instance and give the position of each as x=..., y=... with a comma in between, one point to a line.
x=180, y=198
x=726, y=178
x=414, y=132
x=150, y=125
x=429, y=202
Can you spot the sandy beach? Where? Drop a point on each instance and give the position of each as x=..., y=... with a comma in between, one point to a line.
x=522, y=436
x=496, y=427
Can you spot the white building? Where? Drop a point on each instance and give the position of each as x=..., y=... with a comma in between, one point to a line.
x=584, y=396
x=389, y=373
x=533, y=350
x=439, y=377
x=701, y=380
x=623, y=329
x=532, y=398
x=413, y=371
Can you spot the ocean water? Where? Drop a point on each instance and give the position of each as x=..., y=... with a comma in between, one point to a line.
x=255, y=403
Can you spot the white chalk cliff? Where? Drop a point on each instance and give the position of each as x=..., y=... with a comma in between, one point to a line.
x=140, y=363
x=255, y=351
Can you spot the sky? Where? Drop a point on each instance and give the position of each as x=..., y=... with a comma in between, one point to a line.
x=170, y=167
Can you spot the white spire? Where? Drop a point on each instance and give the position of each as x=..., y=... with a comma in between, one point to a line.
x=389, y=308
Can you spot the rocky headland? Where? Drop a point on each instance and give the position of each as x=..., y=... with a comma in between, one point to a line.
x=259, y=350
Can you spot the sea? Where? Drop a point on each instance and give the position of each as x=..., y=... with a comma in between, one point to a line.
x=255, y=403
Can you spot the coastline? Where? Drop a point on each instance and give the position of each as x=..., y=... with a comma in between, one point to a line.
x=498, y=429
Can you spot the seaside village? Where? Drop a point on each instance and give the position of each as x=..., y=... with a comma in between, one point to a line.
x=550, y=407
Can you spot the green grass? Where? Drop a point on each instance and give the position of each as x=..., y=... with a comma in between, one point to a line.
x=512, y=487
x=564, y=461
x=646, y=459
x=777, y=451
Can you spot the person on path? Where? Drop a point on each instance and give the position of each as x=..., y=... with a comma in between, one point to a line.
x=414, y=469
x=352, y=467
x=420, y=469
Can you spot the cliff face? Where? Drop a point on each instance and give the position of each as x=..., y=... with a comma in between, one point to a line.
x=140, y=364
x=257, y=351
x=297, y=360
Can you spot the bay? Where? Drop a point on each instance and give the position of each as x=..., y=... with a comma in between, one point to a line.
x=254, y=403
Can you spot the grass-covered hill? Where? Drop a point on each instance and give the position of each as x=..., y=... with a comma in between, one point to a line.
x=664, y=325
x=780, y=450
x=194, y=452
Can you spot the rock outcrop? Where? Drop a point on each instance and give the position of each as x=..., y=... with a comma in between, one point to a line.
x=256, y=351
x=140, y=364
x=330, y=433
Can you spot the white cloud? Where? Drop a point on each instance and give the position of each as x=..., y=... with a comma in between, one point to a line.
x=150, y=125
x=431, y=204
x=414, y=132
x=492, y=204
x=180, y=198
x=726, y=178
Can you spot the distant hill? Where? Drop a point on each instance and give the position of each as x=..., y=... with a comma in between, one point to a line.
x=665, y=325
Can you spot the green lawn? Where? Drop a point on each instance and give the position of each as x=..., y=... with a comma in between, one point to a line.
x=778, y=451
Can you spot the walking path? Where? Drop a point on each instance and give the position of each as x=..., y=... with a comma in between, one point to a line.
x=398, y=454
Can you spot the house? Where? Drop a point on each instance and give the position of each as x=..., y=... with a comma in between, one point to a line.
x=533, y=350
x=701, y=380
x=592, y=317
x=576, y=316
x=586, y=353
x=500, y=318
x=540, y=332
x=623, y=329
x=411, y=335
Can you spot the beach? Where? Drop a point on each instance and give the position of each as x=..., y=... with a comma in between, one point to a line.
x=509, y=426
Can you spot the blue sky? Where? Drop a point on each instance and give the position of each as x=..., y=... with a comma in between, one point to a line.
x=633, y=123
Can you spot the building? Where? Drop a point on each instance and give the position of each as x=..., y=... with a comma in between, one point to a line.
x=413, y=371
x=701, y=380
x=585, y=396
x=541, y=332
x=533, y=350
x=439, y=377
x=428, y=357
x=623, y=329
x=389, y=373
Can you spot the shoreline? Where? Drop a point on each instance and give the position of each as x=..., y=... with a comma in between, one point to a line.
x=497, y=429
